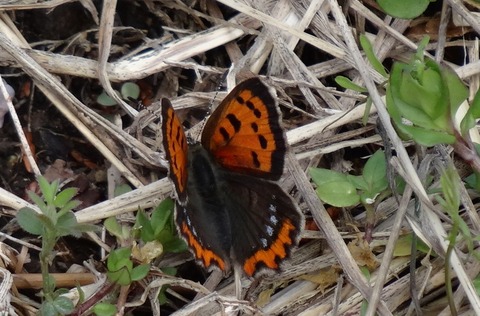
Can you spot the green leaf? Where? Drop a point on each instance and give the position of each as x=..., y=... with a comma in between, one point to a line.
x=64, y=197
x=83, y=228
x=346, y=83
x=366, y=114
x=120, y=266
x=81, y=294
x=473, y=181
x=467, y=123
x=113, y=227
x=368, y=49
x=427, y=137
x=105, y=309
x=122, y=189
x=63, y=305
x=404, y=9
x=67, y=225
x=29, y=220
x=48, y=224
x=139, y=272
x=69, y=206
x=119, y=258
x=403, y=247
x=130, y=90
x=358, y=182
x=334, y=188
x=48, y=190
x=175, y=245
x=450, y=182
x=121, y=276
x=473, y=113
x=375, y=173
x=37, y=200
x=475, y=106
x=162, y=295
x=145, y=226
x=105, y=100
x=47, y=309
x=161, y=215
x=457, y=91
x=169, y=270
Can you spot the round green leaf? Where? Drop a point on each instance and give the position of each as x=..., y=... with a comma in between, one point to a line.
x=139, y=272
x=130, y=90
x=29, y=220
x=121, y=277
x=122, y=189
x=404, y=9
x=105, y=100
x=104, y=309
x=334, y=188
x=63, y=305
x=47, y=309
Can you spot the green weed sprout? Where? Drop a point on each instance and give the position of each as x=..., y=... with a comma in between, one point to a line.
x=56, y=219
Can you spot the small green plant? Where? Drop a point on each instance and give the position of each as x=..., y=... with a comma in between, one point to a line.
x=343, y=190
x=121, y=268
x=160, y=227
x=56, y=219
x=157, y=235
x=450, y=202
x=423, y=99
x=129, y=90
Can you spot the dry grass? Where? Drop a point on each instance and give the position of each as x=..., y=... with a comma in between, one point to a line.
x=268, y=37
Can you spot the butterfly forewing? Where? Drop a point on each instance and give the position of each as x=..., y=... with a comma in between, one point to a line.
x=244, y=132
x=175, y=144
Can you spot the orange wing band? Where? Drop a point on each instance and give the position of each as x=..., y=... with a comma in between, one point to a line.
x=207, y=256
x=276, y=250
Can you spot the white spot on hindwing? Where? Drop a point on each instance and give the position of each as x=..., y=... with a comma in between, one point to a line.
x=273, y=220
x=264, y=242
x=269, y=230
x=272, y=208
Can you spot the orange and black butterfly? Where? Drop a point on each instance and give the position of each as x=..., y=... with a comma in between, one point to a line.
x=228, y=209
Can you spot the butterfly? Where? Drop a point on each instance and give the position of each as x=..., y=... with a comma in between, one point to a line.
x=228, y=209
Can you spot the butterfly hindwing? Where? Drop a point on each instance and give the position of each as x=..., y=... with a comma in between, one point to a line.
x=205, y=245
x=244, y=133
x=176, y=147
x=265, y=222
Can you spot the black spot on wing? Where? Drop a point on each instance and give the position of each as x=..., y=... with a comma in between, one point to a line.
x=225, y=134
x=236, y=124
x=256, y=162
x=263, y=141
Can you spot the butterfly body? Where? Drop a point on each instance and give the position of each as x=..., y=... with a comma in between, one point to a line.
x=228, y=209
